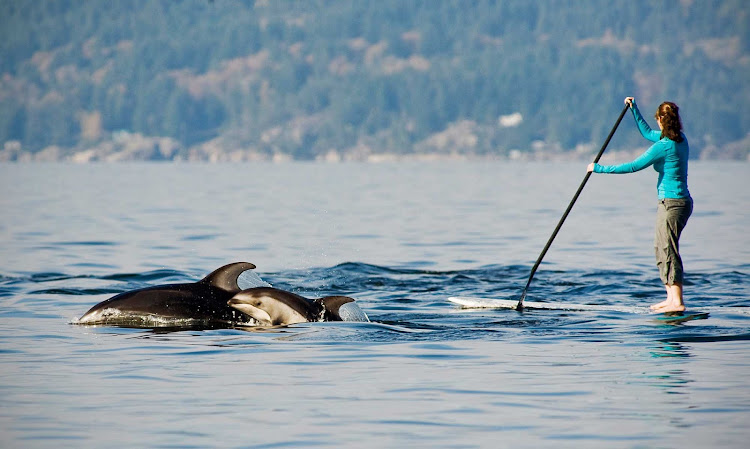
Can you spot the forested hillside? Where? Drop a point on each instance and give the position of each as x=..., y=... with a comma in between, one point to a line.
x=350, y=79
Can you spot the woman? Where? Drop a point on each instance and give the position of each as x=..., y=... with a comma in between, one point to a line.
x=669, y=156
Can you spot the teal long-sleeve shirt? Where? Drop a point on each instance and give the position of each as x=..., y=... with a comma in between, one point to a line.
x=669, y=158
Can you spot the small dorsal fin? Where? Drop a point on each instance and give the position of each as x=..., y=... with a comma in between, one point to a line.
x=331, y=306
x=225, y=277
x=334, y=302
x=342, y=308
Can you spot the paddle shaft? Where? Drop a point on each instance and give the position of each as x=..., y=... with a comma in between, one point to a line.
x=519, y=306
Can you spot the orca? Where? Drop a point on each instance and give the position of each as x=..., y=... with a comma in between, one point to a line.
x=273, y=307
x=199, y=303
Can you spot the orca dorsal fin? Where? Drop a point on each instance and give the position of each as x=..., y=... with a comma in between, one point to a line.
x=225, y=277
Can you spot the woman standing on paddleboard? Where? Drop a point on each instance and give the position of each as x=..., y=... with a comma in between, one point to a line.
x=669, y=156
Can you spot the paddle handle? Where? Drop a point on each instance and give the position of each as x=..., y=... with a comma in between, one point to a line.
x=519, y=306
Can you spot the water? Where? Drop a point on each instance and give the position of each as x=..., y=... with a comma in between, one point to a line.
x=401, y=239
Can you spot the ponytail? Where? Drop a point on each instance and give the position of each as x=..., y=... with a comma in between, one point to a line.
x=671, y=126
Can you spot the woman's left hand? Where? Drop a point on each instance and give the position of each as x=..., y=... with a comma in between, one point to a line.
x=590, y=168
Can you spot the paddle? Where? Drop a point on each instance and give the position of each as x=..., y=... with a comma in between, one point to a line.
x=519, y=306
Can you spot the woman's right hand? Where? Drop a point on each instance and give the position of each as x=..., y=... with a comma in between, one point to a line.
x=629, y=101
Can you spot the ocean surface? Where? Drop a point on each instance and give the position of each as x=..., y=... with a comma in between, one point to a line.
x=401, y=238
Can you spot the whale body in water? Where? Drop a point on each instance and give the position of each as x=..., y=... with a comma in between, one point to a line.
x=217, y=301
x=196, y=303
x=274, y=307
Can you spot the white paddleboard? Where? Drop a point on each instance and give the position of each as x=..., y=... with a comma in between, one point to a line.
x=469, y=302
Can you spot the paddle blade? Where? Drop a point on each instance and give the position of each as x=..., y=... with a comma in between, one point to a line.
x=519, y=306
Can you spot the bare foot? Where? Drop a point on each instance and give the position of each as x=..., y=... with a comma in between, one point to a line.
x=670, y=307
x=658, y=306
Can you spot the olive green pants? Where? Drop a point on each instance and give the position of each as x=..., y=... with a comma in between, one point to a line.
x=671, y=217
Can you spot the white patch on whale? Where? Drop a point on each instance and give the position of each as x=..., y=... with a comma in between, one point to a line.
x=250, y=279
x=351, y=312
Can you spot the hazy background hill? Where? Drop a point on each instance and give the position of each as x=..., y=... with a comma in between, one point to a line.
x=333, y=80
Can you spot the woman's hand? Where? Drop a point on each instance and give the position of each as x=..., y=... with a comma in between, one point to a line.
x=590, y=168
x=629, y=101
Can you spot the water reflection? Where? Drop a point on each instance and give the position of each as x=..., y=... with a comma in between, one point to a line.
x=669, y=349
x=671, y=376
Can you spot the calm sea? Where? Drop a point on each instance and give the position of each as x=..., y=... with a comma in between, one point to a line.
x=401, y=239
